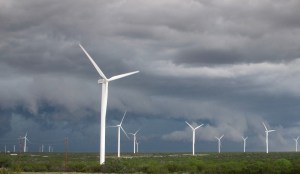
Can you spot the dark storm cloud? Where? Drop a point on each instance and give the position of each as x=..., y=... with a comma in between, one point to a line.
x=207, y=57
x=220, y=62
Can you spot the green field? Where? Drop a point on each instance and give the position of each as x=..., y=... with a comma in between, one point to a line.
x=276, y=162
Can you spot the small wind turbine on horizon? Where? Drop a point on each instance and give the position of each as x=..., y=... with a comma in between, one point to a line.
x=104, y=81
x=137, y=146
x=245, y=139
x=219, y=142
x=296, y=141
x=134, y=139
x=119, y=126
x=267, y=137
x=193, y=130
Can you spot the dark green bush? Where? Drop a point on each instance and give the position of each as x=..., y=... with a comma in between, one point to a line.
x=282, y=166
x=76, y=167
x=5, y=161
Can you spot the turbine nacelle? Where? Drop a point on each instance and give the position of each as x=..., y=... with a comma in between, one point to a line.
x=270, y=131
x=100, y=81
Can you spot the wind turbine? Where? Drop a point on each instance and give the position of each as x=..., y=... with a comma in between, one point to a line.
x=245, y=143
x=296, y=141
x=119, y=126
x=219, y=142
x=25, y=142
x=137, y=146
x=134, y=139
x=104, y=81
x=267, y=137
x=194, y=130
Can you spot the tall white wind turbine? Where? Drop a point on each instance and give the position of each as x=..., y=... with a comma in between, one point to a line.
x=245, y=139
x=296, y=141
x=219, y=143
x=194, y=130
x=119, y=126
x=267, y=137
x=134, y=139
x=104, y=81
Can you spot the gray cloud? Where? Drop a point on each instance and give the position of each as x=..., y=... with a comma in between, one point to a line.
x=231, y=64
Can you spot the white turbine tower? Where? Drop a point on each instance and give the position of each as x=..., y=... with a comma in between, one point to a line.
x=296, y=141
x=119, y=126
x=245, y=139
x=194, y=130
x=267, y=137
x=134, y=139
x=219, y=143
x=104, y=81
x=137, y=146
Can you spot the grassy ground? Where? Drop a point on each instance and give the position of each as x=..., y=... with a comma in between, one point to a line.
x=280, y=162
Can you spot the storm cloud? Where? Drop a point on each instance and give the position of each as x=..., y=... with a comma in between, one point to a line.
x=230, y=64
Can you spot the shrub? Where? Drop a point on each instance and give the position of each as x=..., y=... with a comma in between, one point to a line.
x=5, y=162
x=282, y=166
x=76, y=167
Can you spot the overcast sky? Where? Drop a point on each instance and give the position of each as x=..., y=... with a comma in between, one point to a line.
x=228, y=64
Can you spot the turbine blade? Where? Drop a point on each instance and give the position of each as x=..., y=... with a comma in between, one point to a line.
x=198, y=126
x=122, y=75
x=265, y=126
x=271, y=130
x=111, y=126
x=221, y=136
x=93, y=62
x=124, y=132
x=123, y=118
x=189, y=125
x=136, y=132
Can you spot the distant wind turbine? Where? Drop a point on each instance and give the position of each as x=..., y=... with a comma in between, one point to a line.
x=104, y=81
x=194, y=130
x=137, y=146
x=134, y=139
x=119, y=126
x=245, y=139
x=267, y=137
x=219, y=143
x=296, y=141
x=25, y=142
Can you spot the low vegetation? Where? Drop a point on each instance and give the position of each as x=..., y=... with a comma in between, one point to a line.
x=248, y=163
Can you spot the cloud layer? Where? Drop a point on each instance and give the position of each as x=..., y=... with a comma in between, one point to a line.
x=230, y=64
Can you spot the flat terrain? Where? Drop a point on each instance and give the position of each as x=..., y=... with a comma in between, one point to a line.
x=228, y=162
